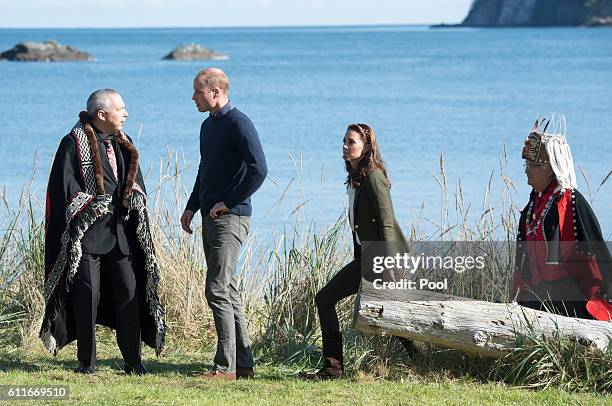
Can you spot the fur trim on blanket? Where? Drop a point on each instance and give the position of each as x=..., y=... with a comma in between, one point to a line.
x=95, y=151
x=123, y=140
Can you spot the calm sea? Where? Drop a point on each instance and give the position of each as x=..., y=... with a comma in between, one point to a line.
x=465, y=93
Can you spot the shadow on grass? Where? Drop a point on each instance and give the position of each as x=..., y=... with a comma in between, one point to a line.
x=12, y=362
x=428, y=362
x=437, y=361
x=171, y=365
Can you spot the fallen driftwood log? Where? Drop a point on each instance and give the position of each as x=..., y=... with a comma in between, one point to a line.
x=475, y=327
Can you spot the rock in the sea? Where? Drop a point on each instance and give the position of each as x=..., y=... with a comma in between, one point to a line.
x=194, y=52
x=48, y=51
x=517, y=13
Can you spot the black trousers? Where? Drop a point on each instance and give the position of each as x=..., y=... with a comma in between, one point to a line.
x=570, y=308
x=85, y=297
x=345, y=283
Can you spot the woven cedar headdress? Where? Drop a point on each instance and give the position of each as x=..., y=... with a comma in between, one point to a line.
x=543, y=147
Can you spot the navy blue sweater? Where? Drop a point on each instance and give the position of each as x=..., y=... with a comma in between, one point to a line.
x=232, y=163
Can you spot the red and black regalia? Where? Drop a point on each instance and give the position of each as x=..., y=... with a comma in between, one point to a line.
x=77, y=203
x=562, y=262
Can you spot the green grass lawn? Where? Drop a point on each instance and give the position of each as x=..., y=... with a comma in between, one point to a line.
x=173, y=379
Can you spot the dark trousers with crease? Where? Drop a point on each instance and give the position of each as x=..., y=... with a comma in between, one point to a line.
x=344, y=284
x=85, y=297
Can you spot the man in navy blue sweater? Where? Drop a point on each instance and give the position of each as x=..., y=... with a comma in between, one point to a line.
x=232, y=167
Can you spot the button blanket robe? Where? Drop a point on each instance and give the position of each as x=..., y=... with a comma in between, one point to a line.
x=75, y=200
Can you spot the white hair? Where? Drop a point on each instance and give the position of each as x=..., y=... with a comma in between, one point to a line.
x=559, y=153
x=99, y=100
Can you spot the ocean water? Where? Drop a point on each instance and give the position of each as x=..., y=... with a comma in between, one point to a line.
x=469, y=94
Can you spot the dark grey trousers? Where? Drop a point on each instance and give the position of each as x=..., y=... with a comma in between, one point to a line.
x=223, y=238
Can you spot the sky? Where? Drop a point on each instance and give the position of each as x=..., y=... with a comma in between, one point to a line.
x=225, y=13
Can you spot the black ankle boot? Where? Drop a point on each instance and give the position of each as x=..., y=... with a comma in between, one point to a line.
x=333, y=358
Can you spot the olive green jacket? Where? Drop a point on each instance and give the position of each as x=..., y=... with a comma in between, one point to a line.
x=374, y=216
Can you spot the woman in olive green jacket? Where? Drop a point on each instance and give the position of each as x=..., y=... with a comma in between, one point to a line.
x=372, y=219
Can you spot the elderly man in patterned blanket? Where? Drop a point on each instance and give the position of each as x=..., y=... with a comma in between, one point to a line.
x=100, y=265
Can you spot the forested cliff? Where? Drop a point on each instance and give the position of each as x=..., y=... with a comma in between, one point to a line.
x=510, y=13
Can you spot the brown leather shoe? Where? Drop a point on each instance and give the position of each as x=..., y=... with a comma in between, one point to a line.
x=331, y=370
x=222, y=376
x=322, y=374
x=245, y=373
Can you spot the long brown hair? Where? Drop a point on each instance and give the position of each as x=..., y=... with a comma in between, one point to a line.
x=371, y=156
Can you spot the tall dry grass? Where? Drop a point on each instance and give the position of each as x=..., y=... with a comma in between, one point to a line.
x=21, y=270
x=280, y=277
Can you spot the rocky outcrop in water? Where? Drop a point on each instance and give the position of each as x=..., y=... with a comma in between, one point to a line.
x=517, y=13
x=193, y=52
x=48, y=51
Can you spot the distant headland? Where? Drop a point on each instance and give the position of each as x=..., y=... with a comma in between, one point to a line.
x=537, y=13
